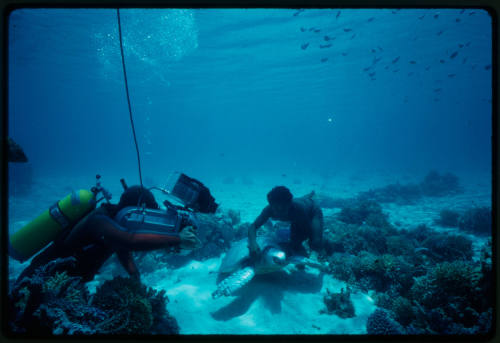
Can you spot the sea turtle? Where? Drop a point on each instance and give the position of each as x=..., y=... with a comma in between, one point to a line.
x=241, y=268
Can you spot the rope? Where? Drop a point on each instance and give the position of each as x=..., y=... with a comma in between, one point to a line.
x=128, y=97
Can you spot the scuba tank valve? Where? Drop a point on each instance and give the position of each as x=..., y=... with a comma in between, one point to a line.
x=100, y=189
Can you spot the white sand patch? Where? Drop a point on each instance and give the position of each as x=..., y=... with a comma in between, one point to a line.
x=276, y=304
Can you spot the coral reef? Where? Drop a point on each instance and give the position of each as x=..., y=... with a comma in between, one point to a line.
x=339, y=303
x=476, y=220
x=216, y=232
x=134, y=308
x=448, y=218
x=437, y=185
x=235, y=216
x=402, y=194
x=381, y=322
x=401, y=307
x=339, y=236
x=53, y=303
x=447, y=247
x=417, y=274
x=364, y=211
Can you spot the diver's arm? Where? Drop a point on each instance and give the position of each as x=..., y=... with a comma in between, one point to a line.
x=252, y=230
x=82, y=234
x=127, y=261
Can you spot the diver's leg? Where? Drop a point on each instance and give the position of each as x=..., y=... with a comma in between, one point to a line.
x=48, y=254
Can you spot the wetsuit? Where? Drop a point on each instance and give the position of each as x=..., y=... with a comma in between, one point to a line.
x=94, y=239
x=302, y=212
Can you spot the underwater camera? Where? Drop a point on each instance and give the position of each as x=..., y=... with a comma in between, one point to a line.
x=193, y=194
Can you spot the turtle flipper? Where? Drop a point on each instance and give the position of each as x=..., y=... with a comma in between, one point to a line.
x=234, y=282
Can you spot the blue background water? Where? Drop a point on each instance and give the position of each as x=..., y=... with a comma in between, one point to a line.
x=217, y=92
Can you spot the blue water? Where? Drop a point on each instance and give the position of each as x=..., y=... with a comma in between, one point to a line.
x=218, y=90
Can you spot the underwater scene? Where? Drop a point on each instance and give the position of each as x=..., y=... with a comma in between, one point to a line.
x=249, y=171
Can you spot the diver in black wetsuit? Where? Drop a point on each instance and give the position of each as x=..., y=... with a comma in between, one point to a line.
x=304, y=215
x=94, y=239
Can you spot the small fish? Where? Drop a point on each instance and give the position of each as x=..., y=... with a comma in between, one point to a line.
x=413, y=62
x=394, y=12
x=410, y=73
x=464, y=60
x=344, y=54
x=347, y=30
x=421, y=17
x=376, y=59
x=326, y=38
x=436, y=16
x=298, y=12
x=304, y=46
x=380, y=48
x=395, y=70
x=467, y=44
x=440, y=33
x=373, y=50
x=303, y=29
x=367, y=68
x=436, y=99
x=317, y=30
x=462, y=11
x=321, y=46
x=338, y=15
x=386, y=67
x=323, y=60
x=460, y=45
x=395, y=60
x=372, y=74
x=487, y=67
x=472, y=13
x=312, y=29
x=437, y=90
x=428, y=67
x=453, y=55
x=352, y=37
x=441, y=61
x=451, y=75
x=458, y=20
x=373, y=78
x=371, y=19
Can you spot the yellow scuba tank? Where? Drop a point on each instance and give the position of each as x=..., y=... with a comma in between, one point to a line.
x=46, y=227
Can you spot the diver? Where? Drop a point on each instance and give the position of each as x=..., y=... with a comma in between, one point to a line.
x=304, y=215
x=94, y=239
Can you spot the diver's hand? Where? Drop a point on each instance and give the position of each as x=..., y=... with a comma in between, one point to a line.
x=290, y=268
x=254, y=249
x=188, y=238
